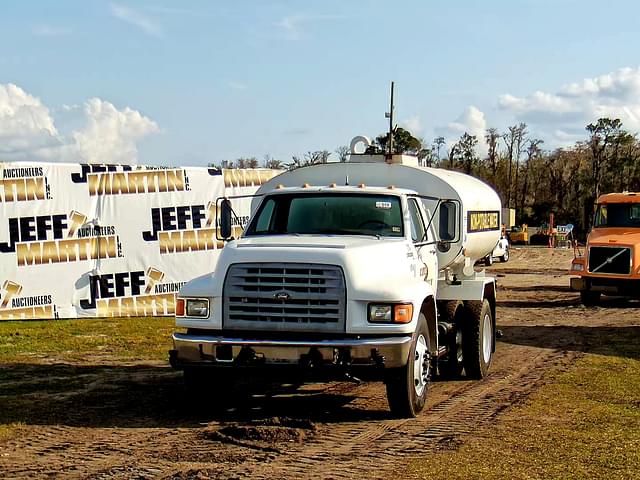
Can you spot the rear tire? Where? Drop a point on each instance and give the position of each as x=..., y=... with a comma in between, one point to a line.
x=589, y=298
x=478, y=339
x=505, y=258
x=488, y=260
x=407, y=386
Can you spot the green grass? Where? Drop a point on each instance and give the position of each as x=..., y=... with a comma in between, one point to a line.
x=585, y=424
x=8, y=431
x=71, y=340
x=47, y=366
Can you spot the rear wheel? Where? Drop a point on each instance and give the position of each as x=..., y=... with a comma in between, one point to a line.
x=589, y=298
x=488, y=260
x=477, y=339
x=505, y=257
x=407, y=386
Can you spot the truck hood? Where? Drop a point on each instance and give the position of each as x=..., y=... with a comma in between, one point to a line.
x=363, y=259
x=307, y=241
x=612, y=236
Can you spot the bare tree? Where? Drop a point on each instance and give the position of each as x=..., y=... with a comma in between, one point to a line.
x=270, y=162
x=438, y=143
x=343, y=153
x=492, y=137
x=533, y=151
x=514, y=140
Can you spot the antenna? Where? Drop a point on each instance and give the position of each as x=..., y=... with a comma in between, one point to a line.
x=389, y=115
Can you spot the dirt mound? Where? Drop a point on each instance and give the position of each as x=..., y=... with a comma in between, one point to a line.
x=266, y=431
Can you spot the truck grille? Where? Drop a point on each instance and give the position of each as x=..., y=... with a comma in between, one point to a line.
x=284, y=297
x=611, y=260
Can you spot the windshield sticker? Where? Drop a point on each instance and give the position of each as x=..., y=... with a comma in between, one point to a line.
x=395, y=229
x=384, y=205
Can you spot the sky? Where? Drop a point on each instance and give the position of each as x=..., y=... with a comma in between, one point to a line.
x=196, y=82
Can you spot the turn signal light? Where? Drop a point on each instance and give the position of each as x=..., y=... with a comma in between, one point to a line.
x=180, y=307
x=391, y=313
x=402, y=313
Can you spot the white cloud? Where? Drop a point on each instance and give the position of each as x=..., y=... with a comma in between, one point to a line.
x=44, y=30
x=413, y=124
x=237, y=85
x=25, y=123
x=292, y=26
x=137, y=19
x=110, y=135
x=95, y=133
x=562, y=116
x=471, y=121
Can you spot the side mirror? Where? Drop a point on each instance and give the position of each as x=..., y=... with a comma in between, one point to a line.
x=226, y=213
x=448, y=215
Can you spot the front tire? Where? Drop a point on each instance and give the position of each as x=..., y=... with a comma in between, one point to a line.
x=211, y=388
x=407, y=386
x=477, y=339
x=505, y=258
x=589, y=298
x=488, y=260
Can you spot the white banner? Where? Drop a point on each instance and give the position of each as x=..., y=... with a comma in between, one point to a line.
x=109, y=241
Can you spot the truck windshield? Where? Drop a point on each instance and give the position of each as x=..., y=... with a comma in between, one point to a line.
x=618, y=215
x=334, y=214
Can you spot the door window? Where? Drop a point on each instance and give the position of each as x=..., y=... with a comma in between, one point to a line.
x=417, y=224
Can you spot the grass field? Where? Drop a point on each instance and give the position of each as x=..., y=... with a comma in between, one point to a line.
x=585, y=423
x=73, y=340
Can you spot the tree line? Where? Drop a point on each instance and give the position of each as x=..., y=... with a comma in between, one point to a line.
x=534, y=181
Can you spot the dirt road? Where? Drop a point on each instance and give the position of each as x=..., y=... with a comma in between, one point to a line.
x=122, y=421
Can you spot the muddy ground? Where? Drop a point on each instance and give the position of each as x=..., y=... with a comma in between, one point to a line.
x=116, y=420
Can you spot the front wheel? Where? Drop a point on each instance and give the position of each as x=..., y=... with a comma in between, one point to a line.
x=589, y=298
x=488, y=260
x=477, y=338
x=407, y=386
x=505, y=257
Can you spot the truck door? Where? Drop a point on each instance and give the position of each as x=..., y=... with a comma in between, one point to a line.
x=424, y=252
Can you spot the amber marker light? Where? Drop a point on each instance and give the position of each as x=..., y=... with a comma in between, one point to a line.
x=180, y=307
x=402, y=313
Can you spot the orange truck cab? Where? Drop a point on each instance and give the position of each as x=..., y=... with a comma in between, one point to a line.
x=611, y=264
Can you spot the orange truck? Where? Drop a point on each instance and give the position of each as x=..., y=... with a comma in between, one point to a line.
x=611, y=263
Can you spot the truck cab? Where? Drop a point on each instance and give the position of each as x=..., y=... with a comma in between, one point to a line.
x=611, y=264
x=357, y=270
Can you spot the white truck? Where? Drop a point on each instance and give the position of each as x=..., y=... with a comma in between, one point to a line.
x=363, y=269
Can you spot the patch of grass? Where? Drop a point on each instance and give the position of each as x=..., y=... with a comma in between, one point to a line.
x=585, y=424
x=140, y=338
x=9, y=431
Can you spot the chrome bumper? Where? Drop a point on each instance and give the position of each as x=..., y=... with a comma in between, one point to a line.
x=390, y=352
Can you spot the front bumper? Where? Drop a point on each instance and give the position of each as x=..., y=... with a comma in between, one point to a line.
x=193, y=350
x=607, y=286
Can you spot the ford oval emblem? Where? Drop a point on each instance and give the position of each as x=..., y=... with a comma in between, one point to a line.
x=282, y=296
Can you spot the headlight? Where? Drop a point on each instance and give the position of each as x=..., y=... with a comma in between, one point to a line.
x=197, y=307
x=577, y=267
x=380, y=313
x=391, y=313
